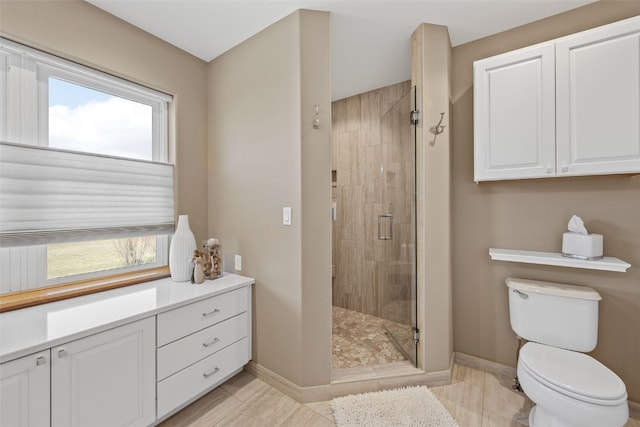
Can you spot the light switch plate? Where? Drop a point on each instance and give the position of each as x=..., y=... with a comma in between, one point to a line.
x=238, y=266
x=286, y=215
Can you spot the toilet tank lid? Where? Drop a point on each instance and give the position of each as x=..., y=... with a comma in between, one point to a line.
x=551, y=288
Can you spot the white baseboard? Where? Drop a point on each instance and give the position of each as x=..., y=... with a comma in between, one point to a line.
x=484, y=364
x=346, y=386
x=353, y=386
x=634, y=410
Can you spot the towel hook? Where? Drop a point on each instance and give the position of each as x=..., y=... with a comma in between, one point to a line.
x=438, y=129
x=316, y=118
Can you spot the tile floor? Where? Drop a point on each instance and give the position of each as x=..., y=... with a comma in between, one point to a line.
x=477, y=398
x=246, y=401
x=360, y=340
x=360, y=349
x=474, y=398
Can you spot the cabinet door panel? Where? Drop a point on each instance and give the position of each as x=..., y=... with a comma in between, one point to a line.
x=598, y=95
x=106, y=379
x=514, y=114
x=24, y=391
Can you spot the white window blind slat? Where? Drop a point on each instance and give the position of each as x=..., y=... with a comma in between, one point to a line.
x=53, y=196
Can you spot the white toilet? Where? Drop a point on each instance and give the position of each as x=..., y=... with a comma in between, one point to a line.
x=569, y=388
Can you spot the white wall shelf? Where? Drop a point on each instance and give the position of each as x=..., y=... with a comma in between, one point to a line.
x=550, y=258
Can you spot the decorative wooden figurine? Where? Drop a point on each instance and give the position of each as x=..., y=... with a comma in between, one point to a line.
x=198, y=267
x=212, y=259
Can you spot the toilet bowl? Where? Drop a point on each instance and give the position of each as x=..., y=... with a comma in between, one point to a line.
x=570, y=389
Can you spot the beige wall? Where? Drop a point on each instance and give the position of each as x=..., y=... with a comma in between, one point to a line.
x=431, y=74
x=80, y=32
x=532, y=214
x=315, y=87
x=264, y=155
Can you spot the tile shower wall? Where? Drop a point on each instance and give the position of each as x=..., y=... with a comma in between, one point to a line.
x=361, y=141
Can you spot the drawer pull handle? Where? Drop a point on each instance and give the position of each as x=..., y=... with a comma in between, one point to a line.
x=210, y=343
x=41, y=361
x=62, y=353
x=208, y=374
x=211, y=313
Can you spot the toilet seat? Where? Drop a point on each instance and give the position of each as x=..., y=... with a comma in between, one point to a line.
x=573, y=374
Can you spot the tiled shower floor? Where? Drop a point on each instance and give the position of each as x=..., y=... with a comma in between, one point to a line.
x=359, y=340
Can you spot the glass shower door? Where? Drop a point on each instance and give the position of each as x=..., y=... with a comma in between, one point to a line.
x=397, y=226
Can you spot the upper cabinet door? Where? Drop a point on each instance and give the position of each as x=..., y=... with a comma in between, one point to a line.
x=514, y=114
x=598, y=100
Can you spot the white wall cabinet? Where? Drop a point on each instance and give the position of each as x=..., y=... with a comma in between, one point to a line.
x=514, y=122
x=24, y=391
x=106, y=379
x=598, y=100
x=566, y=107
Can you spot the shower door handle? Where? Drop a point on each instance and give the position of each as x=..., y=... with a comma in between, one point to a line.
x=388, y=218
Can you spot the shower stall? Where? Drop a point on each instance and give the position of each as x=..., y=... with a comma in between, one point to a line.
x=374, y=227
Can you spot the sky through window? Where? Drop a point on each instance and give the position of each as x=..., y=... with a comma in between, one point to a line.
x=88, y=120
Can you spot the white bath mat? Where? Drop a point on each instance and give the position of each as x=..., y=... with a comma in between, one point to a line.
x=410, y=406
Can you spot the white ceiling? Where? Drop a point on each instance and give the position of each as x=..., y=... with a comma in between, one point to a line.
x=370, y=39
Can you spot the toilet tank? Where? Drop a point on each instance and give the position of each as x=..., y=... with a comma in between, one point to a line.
x=559, y=315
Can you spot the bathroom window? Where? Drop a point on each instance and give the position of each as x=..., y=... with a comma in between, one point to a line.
x=87, y=189
x=84, y=119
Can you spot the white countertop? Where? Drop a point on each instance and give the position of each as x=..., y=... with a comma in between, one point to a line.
x=33, y=329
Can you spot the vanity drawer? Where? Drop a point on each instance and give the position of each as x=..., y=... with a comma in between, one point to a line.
x=177, y=323
x=183, y=352
x=209, y=372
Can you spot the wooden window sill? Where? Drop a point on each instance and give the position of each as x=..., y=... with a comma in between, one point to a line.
x=16, y=300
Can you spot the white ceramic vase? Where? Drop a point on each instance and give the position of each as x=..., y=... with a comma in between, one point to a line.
x=183, y=243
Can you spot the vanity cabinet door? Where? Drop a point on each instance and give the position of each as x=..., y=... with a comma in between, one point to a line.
x=598, y=100
x=106, y=379
x=24, y=391
x=514, y=114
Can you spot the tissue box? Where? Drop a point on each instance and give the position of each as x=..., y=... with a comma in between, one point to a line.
x=582, y=246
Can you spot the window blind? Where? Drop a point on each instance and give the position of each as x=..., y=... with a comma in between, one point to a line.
x=54, y=196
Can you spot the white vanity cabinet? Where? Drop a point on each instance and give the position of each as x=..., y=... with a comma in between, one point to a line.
x=24, y=391
x=201, y=345
x=130, y=356
x=106, y=379
x=566, y=107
